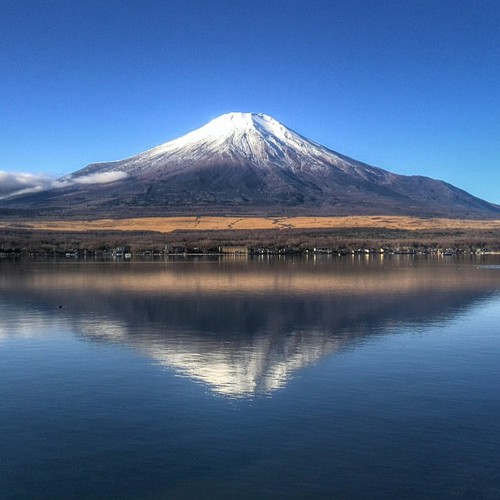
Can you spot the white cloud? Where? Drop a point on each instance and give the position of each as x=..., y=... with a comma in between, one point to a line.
x=18, y=183
x=14, y=183
x=99, y=178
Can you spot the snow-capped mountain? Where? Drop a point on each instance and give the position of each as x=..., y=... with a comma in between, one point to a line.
x=243, y=138
x=248, y=163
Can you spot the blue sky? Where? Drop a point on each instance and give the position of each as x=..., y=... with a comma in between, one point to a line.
x=409, y=86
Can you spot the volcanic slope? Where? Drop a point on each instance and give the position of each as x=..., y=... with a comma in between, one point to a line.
x=244, y=163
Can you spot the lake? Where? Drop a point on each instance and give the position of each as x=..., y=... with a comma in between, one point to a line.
x=319, y=377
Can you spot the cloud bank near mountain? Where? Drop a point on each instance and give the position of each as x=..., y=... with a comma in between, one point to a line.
x=95, y=178
x=12, y=183
x=100, y=178
x=15, y=183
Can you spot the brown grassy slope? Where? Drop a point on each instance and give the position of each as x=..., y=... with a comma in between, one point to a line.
x=171, y=224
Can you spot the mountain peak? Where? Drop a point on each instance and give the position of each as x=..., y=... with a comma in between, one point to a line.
x=230, y=122
x=243, y=133
x=237, y=119
x=235, y=122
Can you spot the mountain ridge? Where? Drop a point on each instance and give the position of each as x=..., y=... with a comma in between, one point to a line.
x=247, y=163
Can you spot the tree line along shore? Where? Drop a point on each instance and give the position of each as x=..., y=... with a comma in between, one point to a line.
x=340, y=241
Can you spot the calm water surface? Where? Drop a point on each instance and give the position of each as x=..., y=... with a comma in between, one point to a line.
x=250, y=378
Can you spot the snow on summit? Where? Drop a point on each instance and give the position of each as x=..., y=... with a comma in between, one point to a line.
x=257, y=138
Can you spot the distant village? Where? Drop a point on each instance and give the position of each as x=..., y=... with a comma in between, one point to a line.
x=125, y=253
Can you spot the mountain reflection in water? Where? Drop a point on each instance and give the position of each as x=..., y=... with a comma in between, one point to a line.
x=242, y=326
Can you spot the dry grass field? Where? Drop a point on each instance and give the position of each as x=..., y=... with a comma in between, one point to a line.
x=171, y=224
x=208, y=233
